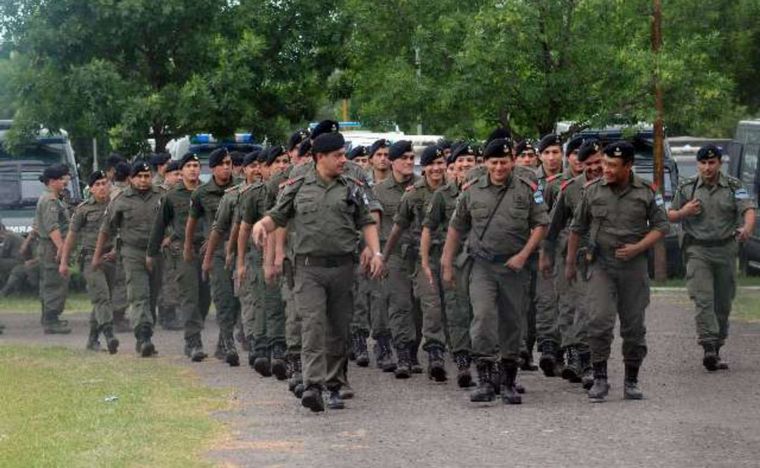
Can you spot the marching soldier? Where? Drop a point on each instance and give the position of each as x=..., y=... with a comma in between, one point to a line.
x=709, y=207
x=623, y=217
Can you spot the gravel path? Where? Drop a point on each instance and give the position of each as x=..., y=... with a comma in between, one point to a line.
x=690, y=417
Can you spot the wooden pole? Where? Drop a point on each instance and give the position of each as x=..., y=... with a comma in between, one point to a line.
x=660, y=254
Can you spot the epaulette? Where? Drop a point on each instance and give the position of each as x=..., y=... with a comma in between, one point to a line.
x=230, y=189
x=249, y=187
x=553, y=178
x=86, y=202
x=688, y=181
x=734, y=182
x=652, y=186
x=294, y=180
x=591, y=182
x=354, y=180
x=565, y=184
x=533, y=186
x=468, y=184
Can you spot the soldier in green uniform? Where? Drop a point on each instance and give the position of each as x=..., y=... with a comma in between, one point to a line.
x=709, y=207
x=623, y=217
x=504, y=218
x=130, y=216
x=171, y=219
x=52, y=223
x=158, y=162
x=85, y=225
x=327, y=208
x=118, y=170
x=168, y=299
x=402, y=259
x=203, y=205
x=409, y=217
x=554, y=248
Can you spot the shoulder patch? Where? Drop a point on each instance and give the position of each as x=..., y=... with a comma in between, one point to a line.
x=741, y=194
x=533, y=186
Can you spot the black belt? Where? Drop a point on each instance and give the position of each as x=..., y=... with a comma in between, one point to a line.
x=710, y=243
x=502, y=259
x=332, y=261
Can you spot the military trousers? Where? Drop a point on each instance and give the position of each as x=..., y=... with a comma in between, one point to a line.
x=399, y=285
x=711, y=282
x=572, y=318
x=293, y=323
x=246, y=295
x=223, y=293
x=194, y=295
x=431, y=306
x=268, y=307
x=360, y=321
x=169, y=295
x=547, y=309
x=53, y=287
x=496, y=293
x=324, y=304
x=139, y=282
x=529, y=308
x=615, y=290
x=457, y=307
x=99, y=285
x=119, y=299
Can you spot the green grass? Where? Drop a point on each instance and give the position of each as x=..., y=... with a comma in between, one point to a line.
x=53, y=411
x=681, y=282
x=15, y=304
x=747, y=306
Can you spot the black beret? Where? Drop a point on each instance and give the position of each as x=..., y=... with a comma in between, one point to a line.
x=327, y=142
x=54, y=172
x=358, y=151
x=296, y=138
x=237, y=158
x=304, y=148
x=463, y=149
x=95, y=176
x=620, y=149
x=114, y=159
x=274, y=153
x=499, y=133
x=588, y=148
x=444, y=144
x=159, y=159
x=709, y=152
x=217, y=156
x=430, y=154
x=523, y=146
x=140, y=165
x=65, y=168
x=574, y=144
x=121, y=171
x=379, y=144
x=450, y=159
x=187, y=158
x=172, y=165
x=398, y=149
x=251, y=157
x=323, y=127
x=498, y=148
x=549, y=140
x=262, y=156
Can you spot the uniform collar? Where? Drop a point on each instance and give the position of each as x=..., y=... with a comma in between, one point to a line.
x=722, y=180
x=485, y=180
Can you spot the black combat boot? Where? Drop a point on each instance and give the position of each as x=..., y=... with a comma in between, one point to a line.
x=526, y=361
x=484, y=392
x=436, y=364
x=231, y=356
x=598, y=392
x=385, y=354
x=278, y=367
x=710, y=360
x=295, y=384
x=404, y=367
x=631, y=390
x=219, y=350
x=359, y=349
x=464, y=377
x=335, y=400
x=722, y=365
x=147, y=349
x=414, y=361
x=111, y=341
x=261, y=362
x=509, y=393
x=93, y=344
x=587, y=377
x=54, y=326
x=496, y=377
x=312, y=399
x=194, y=346
x=548, y=361
x=573, y=370
x=559, y=366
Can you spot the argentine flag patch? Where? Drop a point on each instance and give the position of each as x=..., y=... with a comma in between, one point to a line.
x=538, y=196
x=658, y=200
x=741, y=194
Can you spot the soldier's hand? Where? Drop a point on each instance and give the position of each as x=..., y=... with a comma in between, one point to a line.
x=545, y=265
x=110, y=256
x=240, y=275
x=692, y=208
x=96, y=261
x=626, y=252
x=149, y=264
x=166, y=242
x=428, y=274
x=743, y=234
x=270, y=274
x=517, y=262
x=259, y=234
x=570, y=272
x=63, y=269
x=30, y=263
x=187, y=255
x=447, y=271
x=376, y=267
x=229, y=261
x=206, y=267
x=365, y=259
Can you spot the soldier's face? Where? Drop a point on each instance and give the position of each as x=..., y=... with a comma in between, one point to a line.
x=499, y=169
x=464, y=163
x=223, y=171
x=451, y=173
x=237, y=170
x=593, y=166
x=142, y=180
x=404, y=165
x=332, y=163
x=100, y=189
x=379, y=160
x=279, y=164
x=171, y=178
x=57, y=185
x=575, y=166
x=551, y=158
x=252, y=172
x=362, y=161
x=436, y=171
x=615, y=170
x=709, y=169
x=527, y=158
x=191, y=172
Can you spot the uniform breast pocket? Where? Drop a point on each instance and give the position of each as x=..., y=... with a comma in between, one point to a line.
x=479, y=212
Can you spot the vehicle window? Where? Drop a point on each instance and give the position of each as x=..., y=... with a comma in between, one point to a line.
x=749, y=167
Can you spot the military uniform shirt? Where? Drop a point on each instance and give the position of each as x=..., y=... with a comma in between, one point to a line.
x=86, y=223
x=173, y=210
x=411, y=211
x=132, y=216
x=51, y=215
x=389, y=194
x=352, y=170
x=441, y=208
x=325, y=216
x=205, y=201
x=722, y=206
x=521, y=210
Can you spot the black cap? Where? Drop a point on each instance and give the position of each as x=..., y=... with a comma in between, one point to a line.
x=140, y=165
x=327, y=142
x=251, y=157
x=237, y=158
x=172, y=165
x=499, y=133
x=523, y=146
x=708, y=152
x=296, y=138
x=159, y=159
x=398, y=149
x=549, y=140
x=444, y=144
x=54, y=172
x=588, y=148
x=217, y=156
x=121, y=171
x=463, y=149
x=274, y=153
x=358, y=151
x=95, y=176
x=498, y=148
x=187, y=158
x=620, y=149
x=574, y=144
x=323, y=127
x=430, y=154
x=114, y=159
x=304, y=148
x=379, y=144
x=262, y=156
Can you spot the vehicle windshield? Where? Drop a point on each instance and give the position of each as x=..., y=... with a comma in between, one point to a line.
x=19, y=174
